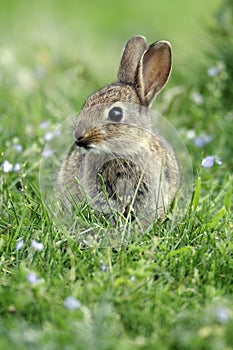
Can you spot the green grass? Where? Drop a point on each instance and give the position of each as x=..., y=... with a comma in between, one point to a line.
x=172, y=287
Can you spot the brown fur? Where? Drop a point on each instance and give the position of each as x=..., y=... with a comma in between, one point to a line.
x=137, y=168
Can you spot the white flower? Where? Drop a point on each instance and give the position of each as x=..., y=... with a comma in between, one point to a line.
x=213, y=71
x=19, y=244
x=197, y=98
x=72, y=303
x=217, y=160
x=17, y=167
x=7, y=166
x=37, y=245
x=191, y=134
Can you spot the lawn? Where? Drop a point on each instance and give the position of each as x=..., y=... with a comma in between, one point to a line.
x=169, y=288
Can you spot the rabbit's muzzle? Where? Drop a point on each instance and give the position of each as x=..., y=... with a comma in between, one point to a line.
x=89, y=139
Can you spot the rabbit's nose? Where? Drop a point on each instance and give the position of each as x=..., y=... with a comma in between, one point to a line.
x=81, y=142
x=78, y=134
x=80, y=139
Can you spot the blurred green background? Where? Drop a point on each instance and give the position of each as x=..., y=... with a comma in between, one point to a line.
x=95, y=31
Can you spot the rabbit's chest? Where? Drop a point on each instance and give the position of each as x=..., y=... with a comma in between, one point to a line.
x=122, y=178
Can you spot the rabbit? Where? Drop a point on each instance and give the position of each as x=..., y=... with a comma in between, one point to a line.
x=117, y=162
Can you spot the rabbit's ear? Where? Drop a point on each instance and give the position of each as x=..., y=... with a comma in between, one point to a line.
x=130, y=58
x=153, y=71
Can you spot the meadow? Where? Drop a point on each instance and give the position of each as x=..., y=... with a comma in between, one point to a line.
x=169, y=288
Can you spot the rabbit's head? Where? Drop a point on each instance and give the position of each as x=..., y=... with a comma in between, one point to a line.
x=117, y=110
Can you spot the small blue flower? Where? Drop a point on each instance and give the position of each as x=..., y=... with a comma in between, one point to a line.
x=72, y=303
x=47, y=152
x=44, y=124
x=19, y=244
x=17, y=167
x=37, y=245
x=222, y=315
x=104, y=268
x=201, y=141
x=213, y=71
x=7, y=166
x=209, y=161
x=18, y=147
x=33, y=278
x=48, y=136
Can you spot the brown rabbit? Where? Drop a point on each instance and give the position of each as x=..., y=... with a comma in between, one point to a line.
x=117, y=162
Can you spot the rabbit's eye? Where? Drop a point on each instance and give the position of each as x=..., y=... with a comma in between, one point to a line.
x=115, y=114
